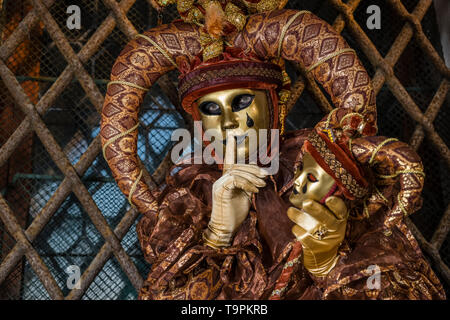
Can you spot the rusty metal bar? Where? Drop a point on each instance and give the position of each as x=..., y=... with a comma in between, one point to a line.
x=66, y=50
x=39, y=267
x=393, y=83
x=42, y=218
x=64, y=165
x=103, y=256
x=442, y=230
x=299, y=85
x=400, y=44
x=62, y=82
x=431, y=113
x=20, y=32
x=422, y=40
x=88, y=157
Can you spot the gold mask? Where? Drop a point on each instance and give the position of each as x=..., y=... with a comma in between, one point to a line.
x=236, y=110
x=311, y=182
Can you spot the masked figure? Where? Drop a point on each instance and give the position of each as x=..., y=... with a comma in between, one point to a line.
x=222, y=232
x=335, y=166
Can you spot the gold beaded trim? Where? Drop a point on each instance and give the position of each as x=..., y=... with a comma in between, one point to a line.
x=333, y=163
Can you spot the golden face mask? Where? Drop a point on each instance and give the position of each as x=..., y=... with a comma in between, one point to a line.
x=311, y=182
x=236, y=112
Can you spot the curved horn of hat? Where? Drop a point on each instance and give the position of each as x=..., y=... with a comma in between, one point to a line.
x=302, y=37
x=393, y=162
x=137, y=68
x=290, y=34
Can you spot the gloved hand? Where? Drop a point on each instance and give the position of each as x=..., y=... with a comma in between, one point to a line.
x=321, y=230
x=231, y=202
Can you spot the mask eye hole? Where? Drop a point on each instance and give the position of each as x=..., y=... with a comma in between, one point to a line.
x=311, y=177
x=210, y=108
x=241, y=102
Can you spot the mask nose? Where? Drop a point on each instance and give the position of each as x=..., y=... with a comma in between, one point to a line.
x=229, y=120
x=300, y=184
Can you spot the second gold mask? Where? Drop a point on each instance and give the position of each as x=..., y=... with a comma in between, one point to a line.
x=311, y=182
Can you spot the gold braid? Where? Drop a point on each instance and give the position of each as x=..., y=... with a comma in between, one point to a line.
x=401, y=172
x=328, y=57
x=286, y=27
x=133, y=85
x=163, y=52
x=120, y=135
x=381, y=145
x=133, y=188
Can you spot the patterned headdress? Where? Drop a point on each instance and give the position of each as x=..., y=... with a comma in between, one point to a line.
x=227, y=44
x=221, y=66
x=333, y=155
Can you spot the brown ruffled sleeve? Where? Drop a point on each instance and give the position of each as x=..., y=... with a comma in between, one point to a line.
x=184, y=268
x=402, y=273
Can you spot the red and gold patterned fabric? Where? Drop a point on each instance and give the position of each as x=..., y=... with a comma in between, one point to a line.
x=174, y=218
x=336, y=159
x=288, y=34
x=183, y=268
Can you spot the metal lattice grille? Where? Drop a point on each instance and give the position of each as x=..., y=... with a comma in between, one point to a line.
x=59, y=205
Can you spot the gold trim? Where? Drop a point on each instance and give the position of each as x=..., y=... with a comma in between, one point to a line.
x=163, y=52
x=120, y=135
x=327, y=123
x=133, y=188
x=286, y=26
x=350, y=141
x=381, y=145
x=400, y=204
x=351, y=114
x=330, y=56
x=130, y=84
x=381, y=195
x=340, y=173
x=366, y=209
x=401, y=172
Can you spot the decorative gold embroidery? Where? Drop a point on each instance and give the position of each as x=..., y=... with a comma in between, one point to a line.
x=286, y=27
x=328, y=57
x=107, y=143
x=163, y=52
x=130, y=84
x=379, y=147
x=232, y=71
x=133, y=188
x=339, y=171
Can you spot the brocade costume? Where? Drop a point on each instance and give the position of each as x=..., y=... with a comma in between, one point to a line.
x=170, y=231
x=183, y=268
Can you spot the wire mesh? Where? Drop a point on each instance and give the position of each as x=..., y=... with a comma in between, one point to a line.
x=56, y=222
